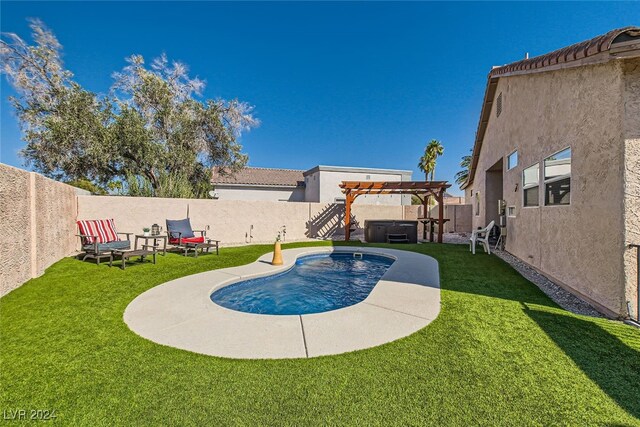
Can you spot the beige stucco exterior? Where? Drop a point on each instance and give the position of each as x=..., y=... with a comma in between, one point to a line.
x=255, y=192
x=631, y=170
x=592, y=109
x=38, y=225
x=323, y=184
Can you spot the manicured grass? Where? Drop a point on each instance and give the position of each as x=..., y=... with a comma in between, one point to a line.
x=500, y=353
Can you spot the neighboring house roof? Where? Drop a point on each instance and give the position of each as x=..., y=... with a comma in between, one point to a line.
x=350, y=169
x=268, y=177
x=619, y=43
x=271, y=177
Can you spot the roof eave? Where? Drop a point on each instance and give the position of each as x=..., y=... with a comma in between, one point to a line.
x=608, y=52
x=485, y=113
x=281, y=186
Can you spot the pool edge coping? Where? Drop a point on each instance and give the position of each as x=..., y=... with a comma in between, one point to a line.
x=402, y=302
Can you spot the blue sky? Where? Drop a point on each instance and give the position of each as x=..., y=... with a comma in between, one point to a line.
x=350, y=84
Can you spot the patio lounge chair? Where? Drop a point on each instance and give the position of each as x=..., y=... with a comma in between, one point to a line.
x=182, y=236
x=99, y=239
x=481, y=236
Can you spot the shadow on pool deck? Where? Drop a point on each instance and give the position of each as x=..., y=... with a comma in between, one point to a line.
x=612, y=364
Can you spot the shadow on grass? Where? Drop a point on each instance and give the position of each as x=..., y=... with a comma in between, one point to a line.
x=608, y=361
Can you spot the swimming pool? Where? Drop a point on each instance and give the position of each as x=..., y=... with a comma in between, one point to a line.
x=315, y=284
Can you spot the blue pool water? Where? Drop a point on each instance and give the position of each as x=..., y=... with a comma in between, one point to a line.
x=315, y=284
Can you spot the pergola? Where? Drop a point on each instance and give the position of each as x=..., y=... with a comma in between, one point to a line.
x=353, y=189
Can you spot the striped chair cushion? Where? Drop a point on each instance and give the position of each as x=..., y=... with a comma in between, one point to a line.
x=103, y=229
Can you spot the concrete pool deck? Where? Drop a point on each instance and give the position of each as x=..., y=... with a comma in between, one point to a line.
x=181, y=314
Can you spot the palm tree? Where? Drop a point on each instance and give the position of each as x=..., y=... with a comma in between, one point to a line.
x=427, y=162
x=463, y=175
x=436, y=150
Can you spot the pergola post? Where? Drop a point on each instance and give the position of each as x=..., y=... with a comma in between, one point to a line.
x=440, y=198
x=425, y=205
x=347, y=216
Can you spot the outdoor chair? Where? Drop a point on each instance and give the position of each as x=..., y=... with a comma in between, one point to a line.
x=481, y=236
x=100, y=239
x=183, y=237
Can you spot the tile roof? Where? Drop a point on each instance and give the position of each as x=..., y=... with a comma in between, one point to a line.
x=618, y=43
x=571, y=53
x=260, y=177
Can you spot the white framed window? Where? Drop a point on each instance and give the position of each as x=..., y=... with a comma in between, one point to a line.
x=557, y=178
x=511, y=211
x=512, y=160
x=477, y=202
x=531, y=186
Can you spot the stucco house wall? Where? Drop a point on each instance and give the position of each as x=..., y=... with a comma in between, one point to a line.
x=579, y=245
x=631, y=170
x=263, y=193
x=312, y=188
x=322, y=184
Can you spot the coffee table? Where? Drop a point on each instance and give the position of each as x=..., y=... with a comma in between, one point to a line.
x=142, y=253
x=210, y=243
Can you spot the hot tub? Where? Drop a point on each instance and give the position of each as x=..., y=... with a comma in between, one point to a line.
x=378, y=231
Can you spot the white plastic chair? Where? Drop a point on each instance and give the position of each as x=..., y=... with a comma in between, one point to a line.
x=481, y=236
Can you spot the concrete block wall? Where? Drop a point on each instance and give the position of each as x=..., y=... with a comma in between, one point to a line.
x=459, y=218
x=236, y=222
x=38, y=225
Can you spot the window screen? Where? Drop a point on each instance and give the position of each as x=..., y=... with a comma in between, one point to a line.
x=557, y=178
x=530, y=185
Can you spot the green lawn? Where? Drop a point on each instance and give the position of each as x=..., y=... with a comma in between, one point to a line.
x=500, y=353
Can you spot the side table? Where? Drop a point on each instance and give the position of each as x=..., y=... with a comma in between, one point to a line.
x=154, y=239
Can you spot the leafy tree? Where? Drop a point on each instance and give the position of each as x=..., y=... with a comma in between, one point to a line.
x=152, y=134
x=64, y=125
x=463, y=175
x=416, y=201
x=85, y=184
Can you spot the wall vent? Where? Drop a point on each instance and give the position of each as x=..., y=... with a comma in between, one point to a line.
x=499, y=105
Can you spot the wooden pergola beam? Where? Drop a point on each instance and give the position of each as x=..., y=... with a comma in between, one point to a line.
x=393, y=185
